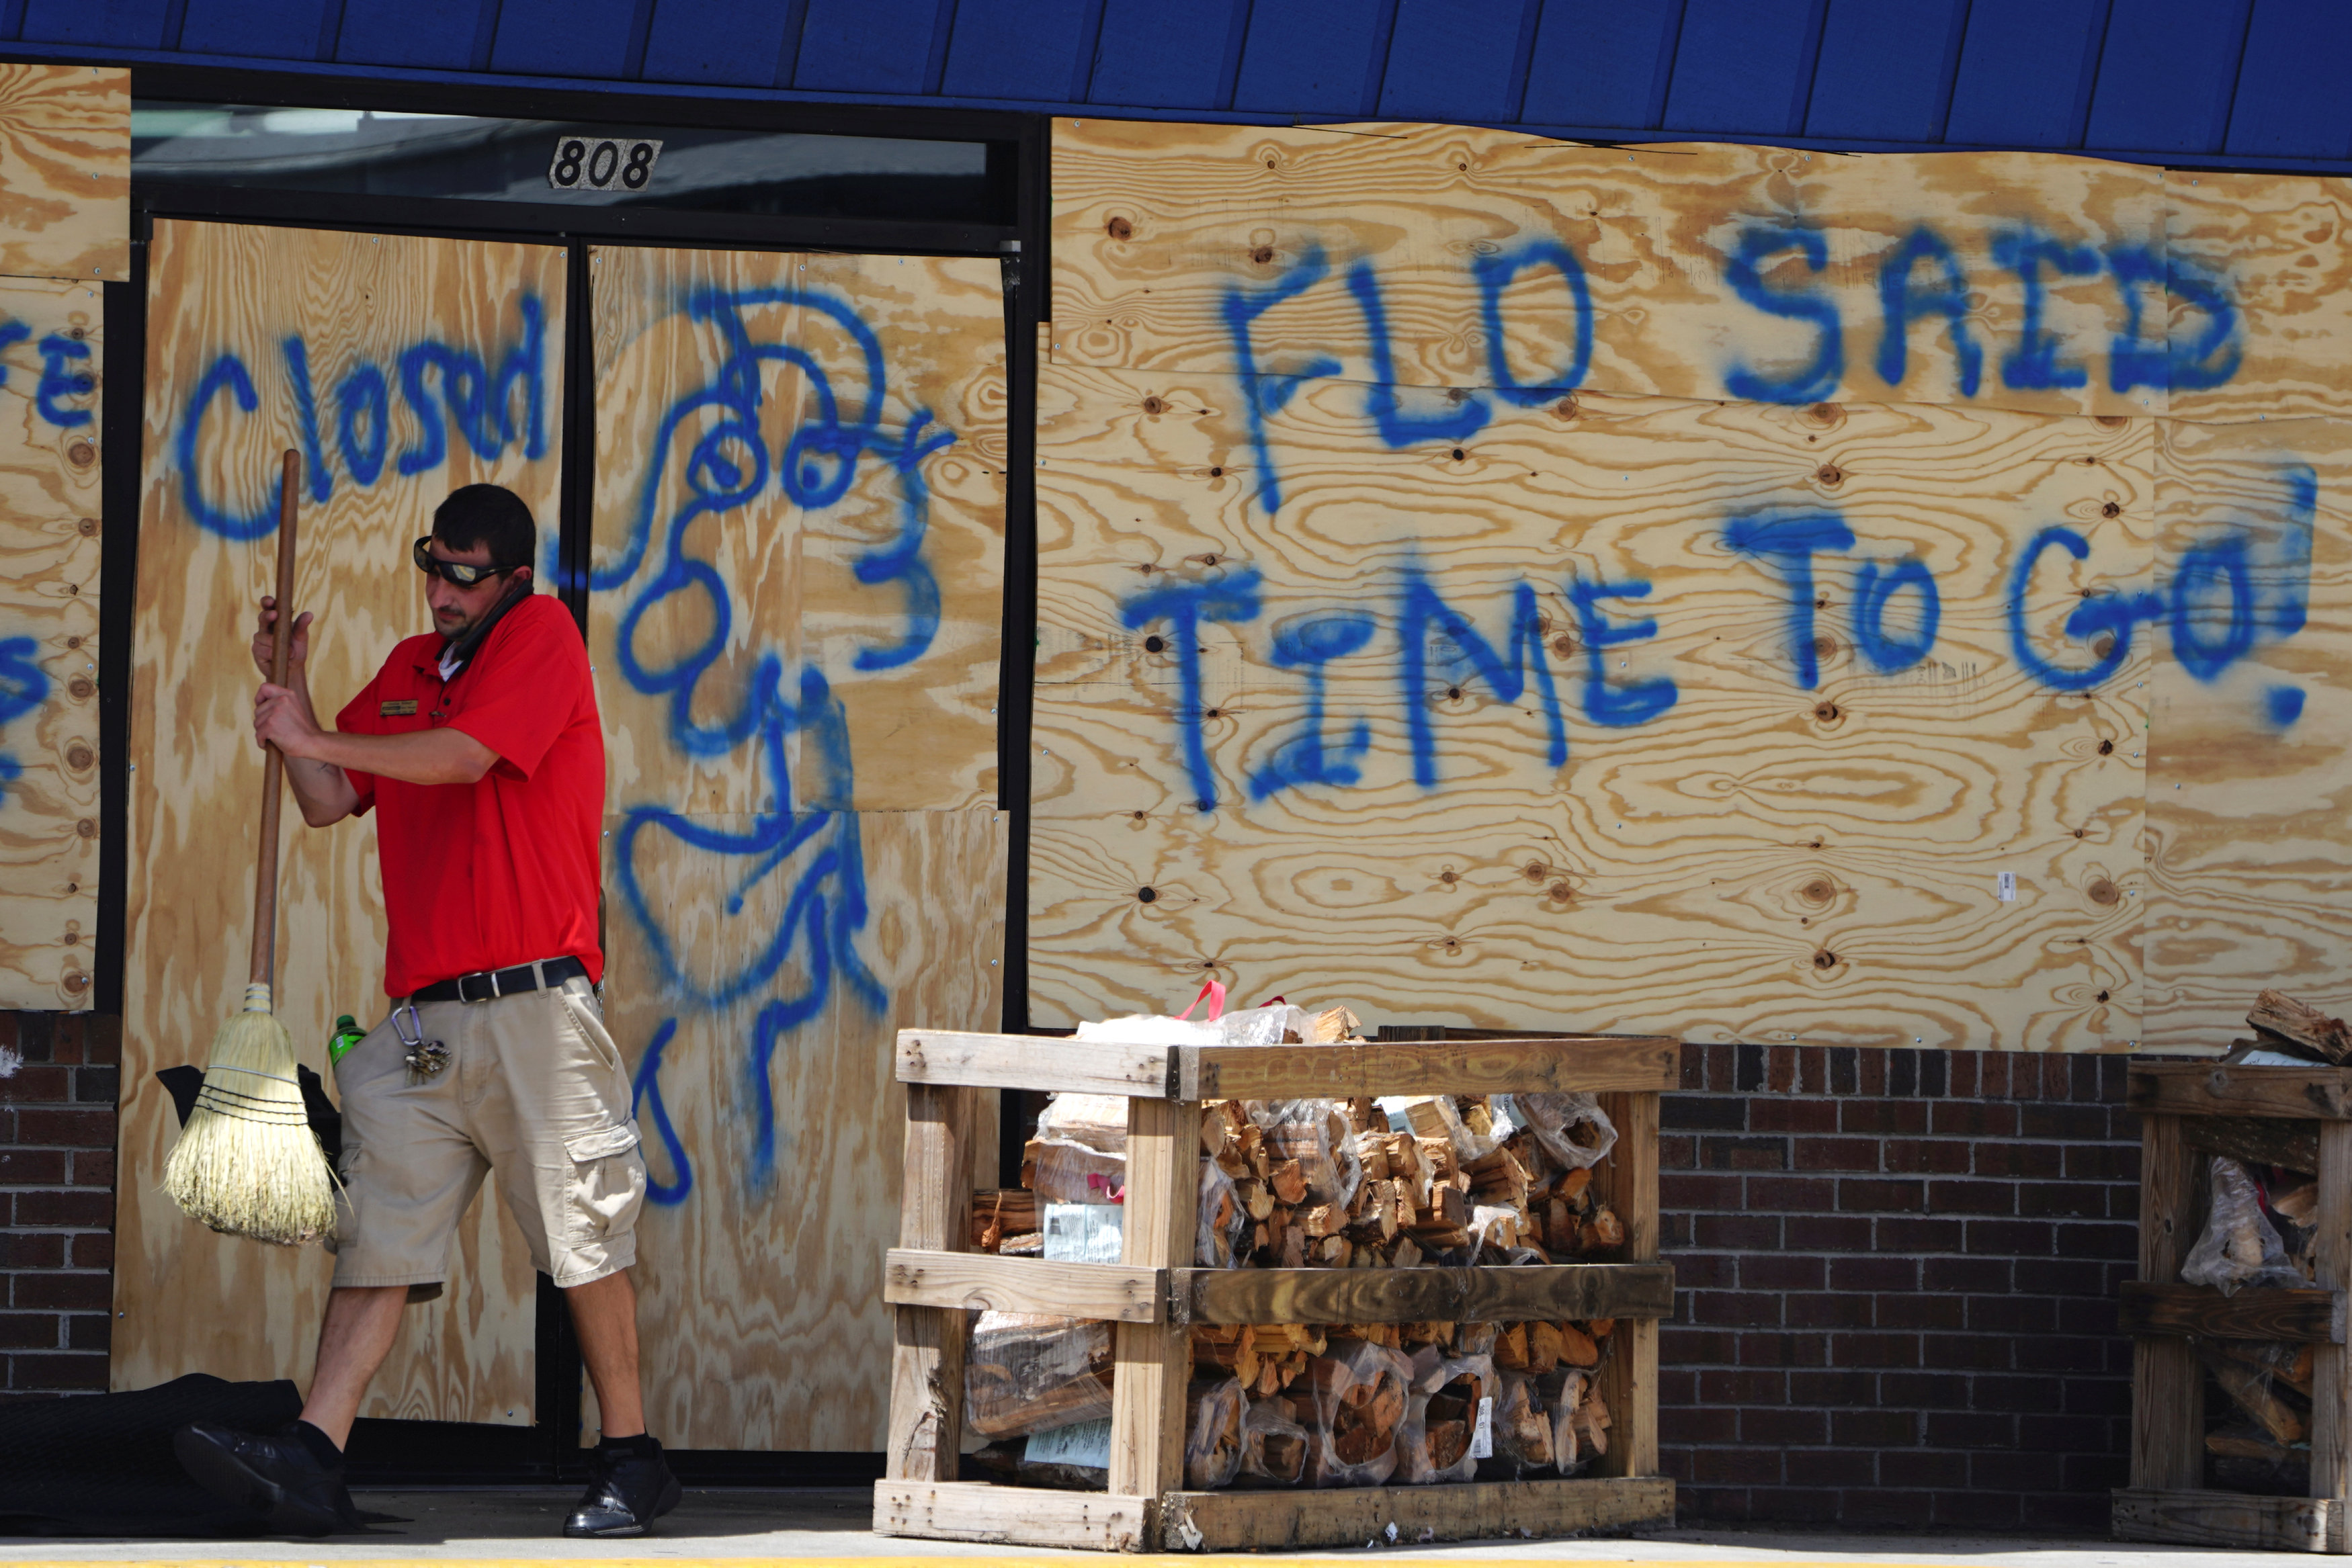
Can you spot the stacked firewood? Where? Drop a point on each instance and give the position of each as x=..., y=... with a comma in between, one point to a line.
x=2261, y=1230
x=1345, y=1184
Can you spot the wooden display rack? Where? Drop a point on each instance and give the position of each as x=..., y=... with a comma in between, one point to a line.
x=2167, y=1499
x=1154, y=1298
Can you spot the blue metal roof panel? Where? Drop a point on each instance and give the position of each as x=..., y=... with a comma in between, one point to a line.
x=1602, y=66
x=1885, y=69
x=720, y=41
x=122, y=23
x=2025, y=72
x=1314, y=57
x=872, y=46
x=434, y=34
x=1744, y=67
x=2290, y=101
x=1021, y=48
x=1152, y=55
x=571, y=37
x=288, y=29
x=1457, y=60
x=2167, y=73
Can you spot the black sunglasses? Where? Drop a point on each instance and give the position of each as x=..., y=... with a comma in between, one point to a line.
x=457, y=571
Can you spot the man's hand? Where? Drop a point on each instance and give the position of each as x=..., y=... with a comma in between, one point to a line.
x=282, y=715
x=265, y=641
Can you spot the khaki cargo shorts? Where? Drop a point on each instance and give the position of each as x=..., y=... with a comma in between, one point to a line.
x=534, y=1091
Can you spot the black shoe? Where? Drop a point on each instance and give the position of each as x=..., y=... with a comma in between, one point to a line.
x=280, y=1477
x=628, y=1488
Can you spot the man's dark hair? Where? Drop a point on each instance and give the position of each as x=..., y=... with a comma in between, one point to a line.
x=492, y=515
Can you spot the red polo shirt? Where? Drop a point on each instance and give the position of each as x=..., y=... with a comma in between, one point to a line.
x=502, y=870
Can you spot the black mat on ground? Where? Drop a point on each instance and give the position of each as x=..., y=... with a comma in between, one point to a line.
x=102, y=1465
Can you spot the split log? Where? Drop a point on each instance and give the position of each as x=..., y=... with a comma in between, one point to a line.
x=1577, y=1347
x=997, y=1213
x=1288, y=1181
x=2257, y=1140
x=1212, y=1432
x=2255, y=1391
x=1544, y=1346
x=2305, y=1028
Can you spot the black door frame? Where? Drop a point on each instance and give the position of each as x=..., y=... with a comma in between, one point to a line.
x=429, y=1453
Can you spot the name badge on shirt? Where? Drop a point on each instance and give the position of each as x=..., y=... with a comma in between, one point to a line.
x=402, y=708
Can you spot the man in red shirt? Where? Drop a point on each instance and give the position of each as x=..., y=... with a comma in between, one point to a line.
x=479, y=747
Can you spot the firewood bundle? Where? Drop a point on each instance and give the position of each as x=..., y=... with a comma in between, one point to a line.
x=1024, y=1372
x=1213, y=1410
x=1357, y=1400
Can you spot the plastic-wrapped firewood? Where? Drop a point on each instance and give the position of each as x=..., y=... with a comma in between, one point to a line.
x=1357, y=1395
x=1579, y=1418
x=1274, y=1445
x=1024, y=1372
x=1212, y=1431
x=1523, y=1446
x=1437, y=1439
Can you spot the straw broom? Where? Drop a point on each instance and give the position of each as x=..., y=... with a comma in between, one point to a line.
x=247, y=1163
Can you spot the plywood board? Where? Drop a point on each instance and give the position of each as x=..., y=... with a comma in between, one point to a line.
x=65, y=172
x=794, y=623
x=2280, y=241
x=2249, y=771
x=773, y=1123
x=1434, y=255
x=49, y=557
x=801, y=473
x=1777, y=855
x=225, y=395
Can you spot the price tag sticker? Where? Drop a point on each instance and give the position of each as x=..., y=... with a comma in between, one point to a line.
x=1482, y=1441
x=2004, y=886
x=602, y=163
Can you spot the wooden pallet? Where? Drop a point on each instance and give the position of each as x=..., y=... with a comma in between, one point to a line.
x=2186, y=1109
x=1153, y=1296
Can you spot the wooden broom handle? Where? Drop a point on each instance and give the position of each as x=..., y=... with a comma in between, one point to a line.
x=273, y=768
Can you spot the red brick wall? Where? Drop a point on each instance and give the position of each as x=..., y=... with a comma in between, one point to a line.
x=57, y=1201
x=1897, y=1273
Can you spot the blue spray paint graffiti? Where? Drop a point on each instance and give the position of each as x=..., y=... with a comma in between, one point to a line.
x=23, y=686
x=2241, y=585
x=730, y=464
x=493, y=409
x=2148, y=288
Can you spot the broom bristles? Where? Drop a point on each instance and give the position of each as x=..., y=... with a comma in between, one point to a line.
x=246, y=1161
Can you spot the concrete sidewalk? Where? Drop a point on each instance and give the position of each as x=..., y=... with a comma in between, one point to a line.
x=733, y=1525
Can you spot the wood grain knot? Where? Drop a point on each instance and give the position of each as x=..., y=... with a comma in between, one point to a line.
x=1147, y=895
x=2101, y=996
x=2111, y=510
x=73, y=641
x=86, y=828
x=81, y=687
x=1535, y=871
x=1216, y=472
x=1142, y=816
x=1827, y=712
x=2107, y=749
x=1829, y=473
x=1153, y=405
x=2104, y=644
x=1459, y=454
x=1449, y=876
x=1818, y=891
x=1825, y=413
x=1265, y=253
x=2104, y=892
x=1566, y=409
x=1119, y=228
x=1559, y=893
x=75, y=334
x=1814, y=845
x=1453, y=694
x=73, y=937
x=81, y=454
x=1825, y=959
x=2082, y=832
x=1564, y=646
x=1214, y=713
x=87, y=527
x=78, y=757
x=2111, y=422
x=1825, y=647
x=75, y=980
x=1155, y=644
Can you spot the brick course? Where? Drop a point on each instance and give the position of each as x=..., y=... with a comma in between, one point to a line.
x=1896, y=1277
x=56, y=1202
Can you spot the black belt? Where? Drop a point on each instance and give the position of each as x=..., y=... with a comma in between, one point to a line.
x=485, y=985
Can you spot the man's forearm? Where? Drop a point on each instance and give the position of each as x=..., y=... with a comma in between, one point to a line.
x=423, y=756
